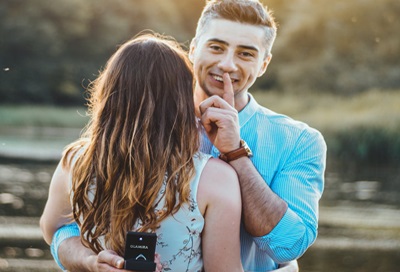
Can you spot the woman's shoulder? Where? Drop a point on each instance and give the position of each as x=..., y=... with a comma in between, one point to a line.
x=73, y=151
x=218, y=180
x=216, y=168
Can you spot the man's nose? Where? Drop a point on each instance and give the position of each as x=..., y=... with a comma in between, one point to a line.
x=227, y=63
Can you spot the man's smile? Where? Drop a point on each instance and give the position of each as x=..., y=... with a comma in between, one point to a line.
x=220, y=79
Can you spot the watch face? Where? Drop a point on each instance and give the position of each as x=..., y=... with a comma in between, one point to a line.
x=242, y=151
x=246, y=147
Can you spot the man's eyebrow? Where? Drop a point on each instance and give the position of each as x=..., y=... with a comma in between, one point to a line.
x=218, y=41
x=249, y=47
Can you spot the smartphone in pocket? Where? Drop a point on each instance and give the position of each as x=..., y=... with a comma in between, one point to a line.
x=140, y=248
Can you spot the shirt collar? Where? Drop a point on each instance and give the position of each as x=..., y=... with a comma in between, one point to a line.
x=248, y=111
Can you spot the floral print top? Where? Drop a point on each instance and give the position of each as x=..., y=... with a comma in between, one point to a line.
x=179, y=235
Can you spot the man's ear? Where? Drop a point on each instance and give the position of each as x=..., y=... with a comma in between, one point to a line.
x=191, y=49
x=264, y=65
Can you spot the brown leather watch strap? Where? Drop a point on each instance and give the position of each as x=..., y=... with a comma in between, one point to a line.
x=242, y=151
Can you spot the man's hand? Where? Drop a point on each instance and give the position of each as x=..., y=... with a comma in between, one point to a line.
x=76, y=257
x=108, y=260
x=220, y=118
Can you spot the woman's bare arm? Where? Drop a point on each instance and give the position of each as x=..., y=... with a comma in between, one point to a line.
x=58, y=210
x=219, y=189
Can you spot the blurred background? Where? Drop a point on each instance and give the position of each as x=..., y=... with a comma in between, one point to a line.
x=335, y=65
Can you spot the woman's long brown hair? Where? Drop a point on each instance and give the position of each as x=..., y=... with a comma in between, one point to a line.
x=142, y=128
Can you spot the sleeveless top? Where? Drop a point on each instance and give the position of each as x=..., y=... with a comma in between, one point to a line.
x=179, y=235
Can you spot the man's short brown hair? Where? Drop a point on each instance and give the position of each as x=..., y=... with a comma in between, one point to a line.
x=243, y=11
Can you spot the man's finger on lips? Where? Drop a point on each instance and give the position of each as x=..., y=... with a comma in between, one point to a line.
x=228, y=95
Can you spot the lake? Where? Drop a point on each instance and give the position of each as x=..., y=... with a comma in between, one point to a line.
x=359, y=215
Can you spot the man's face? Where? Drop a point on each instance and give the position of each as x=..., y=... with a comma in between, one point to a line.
x=228, y=47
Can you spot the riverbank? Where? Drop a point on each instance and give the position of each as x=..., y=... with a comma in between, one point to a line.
x=35, y=143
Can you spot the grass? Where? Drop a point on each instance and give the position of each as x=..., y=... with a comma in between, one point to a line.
x=42, y=116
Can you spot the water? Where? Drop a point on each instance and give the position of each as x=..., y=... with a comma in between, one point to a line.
x=375, y=184
x=24, y=186
x=359, y=216
x=349, y=260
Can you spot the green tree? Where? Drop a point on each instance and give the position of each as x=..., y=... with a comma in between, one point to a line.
x=50, y=50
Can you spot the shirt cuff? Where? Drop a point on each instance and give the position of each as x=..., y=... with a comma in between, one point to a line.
x=281, y=241
x=59, y=236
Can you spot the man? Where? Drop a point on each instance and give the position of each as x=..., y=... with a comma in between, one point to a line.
x=280, y=162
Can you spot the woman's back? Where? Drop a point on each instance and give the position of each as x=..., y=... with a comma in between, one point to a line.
x=212, y=214
x=179, y=235
x=209, y=221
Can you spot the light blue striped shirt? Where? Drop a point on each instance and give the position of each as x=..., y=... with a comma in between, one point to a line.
x=290, y=156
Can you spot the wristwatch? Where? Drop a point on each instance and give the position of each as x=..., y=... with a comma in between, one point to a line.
x=242, y=151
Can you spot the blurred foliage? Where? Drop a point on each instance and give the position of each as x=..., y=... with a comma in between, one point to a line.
x=51, y=49
x=342, y=46
x=362, y=144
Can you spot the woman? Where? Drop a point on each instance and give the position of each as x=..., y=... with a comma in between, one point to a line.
x=137, y=166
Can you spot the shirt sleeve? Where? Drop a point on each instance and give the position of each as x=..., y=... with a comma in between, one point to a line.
x=300, y=183
x=63, y=233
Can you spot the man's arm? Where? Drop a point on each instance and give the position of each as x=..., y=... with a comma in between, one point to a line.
x=262, y=208
x=75, y=257
x=70, y=254
x=299, y=184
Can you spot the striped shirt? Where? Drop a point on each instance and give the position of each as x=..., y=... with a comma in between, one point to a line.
x=290, y=156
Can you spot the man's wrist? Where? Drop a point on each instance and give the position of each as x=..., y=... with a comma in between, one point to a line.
x=60, y=236
x=242, y=151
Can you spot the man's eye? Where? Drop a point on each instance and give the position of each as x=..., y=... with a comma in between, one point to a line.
x=215, y=47
x=247, y=54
